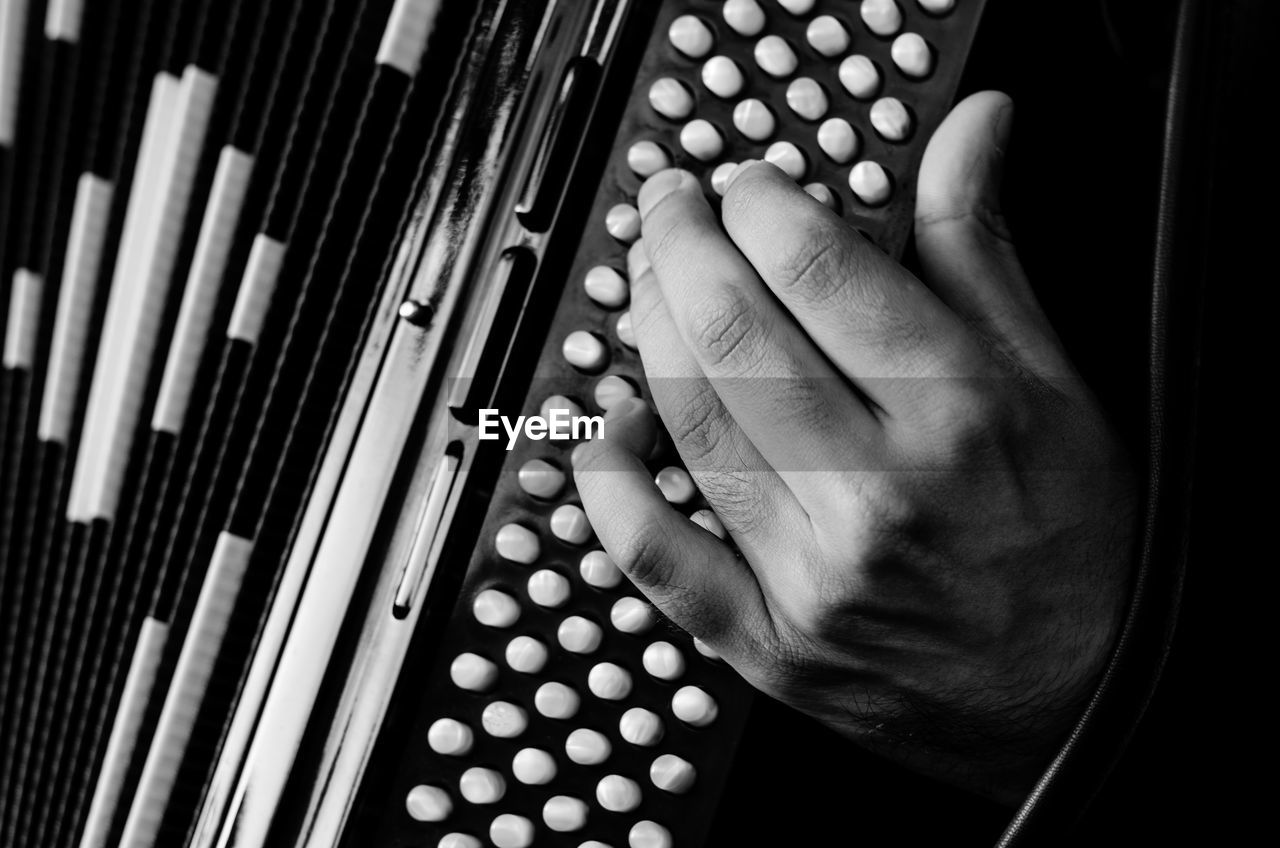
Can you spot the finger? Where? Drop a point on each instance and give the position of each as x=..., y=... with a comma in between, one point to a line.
x=963, y=243
x=688, y=573
x=879, y=325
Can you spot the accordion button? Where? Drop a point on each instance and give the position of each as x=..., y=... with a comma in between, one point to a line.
x=511, y=831
x=632, y=615
x=664, y=661
x=891, y=119
x=912, y=55
x=533, y=766
x=670, y=99
x=649, y=834
x=673, y=774
x=569, y=524
x=824, y=195
x=618, y=794
x=676, y=485
x=428, y=803
x=807, y=99
x=754, y=120
x=541, y=479
x=708, y=520
x=605, y=286
x=526, y=655
x=694, y=706
x=937, y=7
x=788, y=157
x=645, y=158
x=701, y=140
x=722, y=77
x=745, y=17
x=493, y=608
x=482, y=786
x=612, y=390
x=626, y=330
x=838, y=140
x=473, y=672
x=458, y=840
x=827, y=36
x=609, y=682
x=584, y=351
x=883, y=17
x=450, y=738
x=587, y=747
x=705, y=649
x=640, y=727
x=859, y=76
x=775, y=56
x=555, y=700
x=720, y=176
x=870, y=183
x=797, y=7
x=623, y=223
x=564, y=814
x=598, y=570
x=594, y=843
x=579, y=635
x=548, y=589
x=504, y=720
x=518, y=544
x=690, y=36
x=557, y=402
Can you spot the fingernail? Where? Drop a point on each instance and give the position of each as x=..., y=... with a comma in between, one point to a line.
x=738, y=171
x=659, y=186
x=623, y=408
x=637, y=261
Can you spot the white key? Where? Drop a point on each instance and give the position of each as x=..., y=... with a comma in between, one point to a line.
x=533, y=766
x=754, y=120
x=709, y=521
x=458, y=840
x=891, y=119
x=870, y=183
x=482, y=786
x=745, y=17
x=612, y=390
x=807, y=99
x=623, y=223
x=579, y=635
x=690, y=36
x=722, y=77
x=556, y=700
x=511, y=831
x=559, y=402
x=564, y=814
x=670, y=99
x=541, y=479
x=626, y=330
x=838, y=140
x=797, y=7
x=606, y=287
x=618, y=794
x=694, y=706
x=705, y=649
x=701, y=140
x=676, y=485
x=775, y=57
x=649, y=834
x=594, y=843
x=641, y=727
x=450, y=737
x=645, y=158
x=827, y=35
x=673, y=774
x=548, y=589
x=428, y=804
x=937, y=7
x=587, y=747
x=598, y=570
x=518, y=544
x=664, y=661
x=912, y=55
x=788, y=157
x=494, y=608
x=609, y=682
x=824, y=195
x=526, y=655
x=720, y=177
x=569, y=524
x=883, y=17
x=859, y=76
x=504, y=720
x=584, y=351
x=632, y=615
x=473, y=672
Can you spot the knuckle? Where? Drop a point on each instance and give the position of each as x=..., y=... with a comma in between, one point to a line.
x=723, y=327
x=644, y=554
x=697, y=426
x=814, y=270
x=737, y=499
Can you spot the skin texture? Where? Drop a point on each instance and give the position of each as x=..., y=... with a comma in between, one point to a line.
x=930, y=521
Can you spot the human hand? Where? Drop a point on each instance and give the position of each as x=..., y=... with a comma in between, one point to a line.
x=934, y=519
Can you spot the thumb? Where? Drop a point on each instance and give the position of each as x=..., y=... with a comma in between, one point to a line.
x=964, y=246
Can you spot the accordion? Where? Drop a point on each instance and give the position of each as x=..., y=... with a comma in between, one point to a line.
x=265, y=265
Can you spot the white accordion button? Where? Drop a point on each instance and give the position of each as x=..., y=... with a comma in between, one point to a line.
x=859, y=76
x=533, y=766
x=587, y=747
x=722, y=77
x=664, y=661
x=517, y=543
x=705, y=649
x=493, y=608
x=754, y=120
x=788, y=157
x=482, y=786
x=708, y=520
x=450, y=737
x=645, y=158
x=649, y=834
x=548, y=589
x=838, y=140
x=690, y=36
x=606, y=287
x=745, y=17
x=883, y=17
x=937, y=7
x=701, y=140
x=827, y=35
x=891, y=119
x=670, y=99
x=473, y=672
x=775, y=56
x=797, y=7
x=632, y=615
x=541, y=479
x=618, y=794
x=594, y=843
x=870, y=183
x=824, y=195
x=626, y=330
x=612, y=390
x=673, y=774
x=720, y=177
x=640, y=727
x=694, y=706
x=559, y=402
x=569, y=524
x=504, y=720
x=609, y=682
x=526, y=655
x=579, y=635
x=623, y=223
x=675, y=484
x=598, y=570
x=912, y=55
x=584, y=351
x=428, y=803
x=511, y=831
x=458, y=840
x=556, y=700
x=807, y=99
x=564, y=814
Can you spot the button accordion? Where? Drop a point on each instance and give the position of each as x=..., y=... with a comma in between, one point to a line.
x=264, y=265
